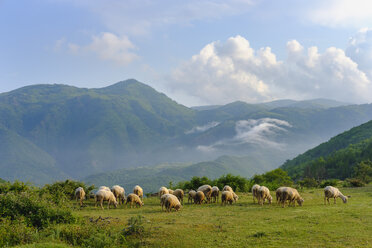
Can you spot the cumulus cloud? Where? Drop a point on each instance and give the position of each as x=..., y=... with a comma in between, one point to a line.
x=230, y=71
x=261, y=132
x=200, y=129
x=109, y=46
x=341, y=13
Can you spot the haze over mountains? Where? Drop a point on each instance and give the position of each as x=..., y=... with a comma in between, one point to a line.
x=51, y=132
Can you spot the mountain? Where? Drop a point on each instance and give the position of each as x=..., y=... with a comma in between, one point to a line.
x=335, y=158
x=65, y=131
x=152, y=178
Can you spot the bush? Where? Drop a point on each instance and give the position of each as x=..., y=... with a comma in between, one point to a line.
x=237, y=183
x=16, y=187
x=15, y=232
x=308, y=183
x=65, y=189
x=329, y=182
x=135, y=226
x=36, y=211
x=353, y=182
x=273, y=179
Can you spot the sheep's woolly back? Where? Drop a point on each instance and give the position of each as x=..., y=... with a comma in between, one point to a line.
x=138, y=191
x=162, y=191
x=134, y=199
x=227, y=197
x=179, y=194
x=263, y=194
x=105, y=195
x=227, y=188
x=118, y=192
x=333, y=192
x=291, y=195
x=199, y=197
x=207, y=190
x=171, y=201
x=104, y=188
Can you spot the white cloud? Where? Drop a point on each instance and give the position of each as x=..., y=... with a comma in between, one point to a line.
x=200, y=129
x=108, y=46
x=260, y=132
x=341, y=13
x=230, y=71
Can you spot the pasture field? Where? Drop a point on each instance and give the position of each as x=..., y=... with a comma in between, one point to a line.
x=245, y=224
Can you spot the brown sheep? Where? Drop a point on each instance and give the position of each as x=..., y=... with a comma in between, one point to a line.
x=179, y=194
x=227, y=188
x=291, y=195
x=104, y=195
x=163, y=191
x=199, y=197
x=134, y=199
x=227, y=197
x=207, y=190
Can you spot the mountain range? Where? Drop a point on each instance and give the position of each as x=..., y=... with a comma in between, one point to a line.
x=52, y=132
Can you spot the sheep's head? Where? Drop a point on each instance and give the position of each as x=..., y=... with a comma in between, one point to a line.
x=300, y=201
x=115, y=204
x=178, y=207
x=270, y=198
x=344, y=199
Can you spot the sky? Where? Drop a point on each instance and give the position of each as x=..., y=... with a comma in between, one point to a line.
x=198, y=52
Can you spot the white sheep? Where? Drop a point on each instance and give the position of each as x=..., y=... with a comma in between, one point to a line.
x=215, y=193
x=291, y=195
x=278, y=194
x=192, y=194
x=263, y=194
x=134, y=199
x=255, y=192
x=207, y=190
x=227, y=197
x=170, y=191
x=162, y=191
x=162, y=200
x=171, y=201
x=235, y=197
x=80, y=195
x=104, y=188
x=179, y=194
x=227, y=188
x=104, y=195
x=138, y=191
x=119, y=193
x=333, y=192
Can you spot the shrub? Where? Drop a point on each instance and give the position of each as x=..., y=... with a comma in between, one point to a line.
x=353, y=182
x=65, y=189
x=16, y=187
x=237, y=183
x=36, y=211
x=308, y=183
x=329, y=182
x=273, y=179
x=15, y=232
x=135, y=226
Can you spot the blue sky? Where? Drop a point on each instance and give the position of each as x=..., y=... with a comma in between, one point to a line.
x=197, y=52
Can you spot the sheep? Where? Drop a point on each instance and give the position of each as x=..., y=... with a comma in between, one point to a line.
x=162, y=200
x=192, y=194
x=104, y=195
x=263, y=194
x=235, y=196
x=215, y=193
x=170, y=191
x=227, y=197
x=119, y=193
x=179, y=194
x=104, y=188
x=134, y=199
x=138, y=191
x=199, y=197
x=171, y=201
x=162, y=191
x=333, y=192
x=291, y=195
x=278, y=194
x=207, y=190
x=254, y=192
x=80, y=195
x=227, y=188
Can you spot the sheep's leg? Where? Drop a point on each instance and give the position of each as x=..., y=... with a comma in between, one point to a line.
x=108, y=204
x=335, y=200
x=101, y=203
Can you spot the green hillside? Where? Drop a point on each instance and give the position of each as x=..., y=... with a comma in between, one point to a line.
x=336, y=158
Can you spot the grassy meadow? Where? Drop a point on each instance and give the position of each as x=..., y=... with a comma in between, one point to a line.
x=244, y=224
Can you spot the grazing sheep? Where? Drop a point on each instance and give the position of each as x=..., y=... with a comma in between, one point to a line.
x=235, y=197
x=163, y=191
x=104, y=188
x=134, y=199
x=279, y=193
x=80, y=195
x=227, y=197
x=255, y=192
x=263, y=194
x=333, y=192
x=172, y=201
x=215, y=193
x=119, y=193
x=162, y=200
x=179, y=194
x=227, y=188
x=291, y=195
x=192, y=194
x=207, y=190
x=105, y=195
x=138, y=191
x=170, y=191
x=199, y=197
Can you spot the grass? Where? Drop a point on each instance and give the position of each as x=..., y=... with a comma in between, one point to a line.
x=245, y=224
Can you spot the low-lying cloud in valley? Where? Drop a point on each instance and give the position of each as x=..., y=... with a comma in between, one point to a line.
x=261, y=132
x=200, y=129
x=233, y=70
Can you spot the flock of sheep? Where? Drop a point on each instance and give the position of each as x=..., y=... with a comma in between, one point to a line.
x=173, y=199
